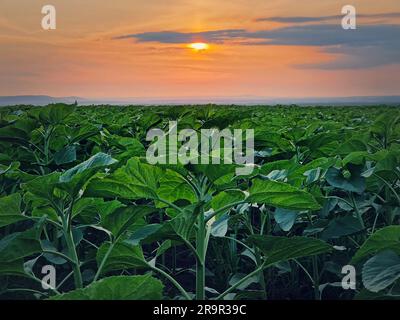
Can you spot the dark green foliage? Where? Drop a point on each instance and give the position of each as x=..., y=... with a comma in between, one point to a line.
x=77, y=193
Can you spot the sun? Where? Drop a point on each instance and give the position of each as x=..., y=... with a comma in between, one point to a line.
x=198, y=46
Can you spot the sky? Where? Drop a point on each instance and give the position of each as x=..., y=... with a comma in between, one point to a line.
x=257, y=48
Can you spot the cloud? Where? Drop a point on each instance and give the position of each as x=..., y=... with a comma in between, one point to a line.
x=356, y=58
x=303, y=19
x=217, y=36
x=298, y=19
x=367, y=46
x=328, y=35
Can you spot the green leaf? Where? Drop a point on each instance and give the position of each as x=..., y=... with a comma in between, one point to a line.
x=167, y=244
x=89, y=210
x=121, y=219
x=14, y=173
x=217, y=173
x=387, y=161
x=239, y=276
x=314, y=175
x=384, y=124
x=65, y=155
x=134, y=181
x=225, y=198
x=353, y=145
x=10, y=210
x=52, y=258
x=56, y=113
x=14, y=135
x=111, y=187
x=278, y=249
x=19, y=245
x=173, y=187
x=385, y=239
x=97, y=161
x=118, y=288
x=385, y=167
x=280, y=165
x=356, y=183
x=11, y=168
x=148, y=119
x=323, y=163
x=141, y=174
x=75, y=178
x=14, y=268
x=48, y=211
x=357, y=157
x=122, y=257
x=381, y=271
x=143, y=233
x=133, y=148
x=183, y=224
x=43, y=186
x=325, y=142
x=342, y=226
x=219, y=228
x=84, y=132
x=281, y=195
x=179, y=228
x=285, y=218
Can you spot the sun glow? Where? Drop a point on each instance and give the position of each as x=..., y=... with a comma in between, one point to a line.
x=198, y=46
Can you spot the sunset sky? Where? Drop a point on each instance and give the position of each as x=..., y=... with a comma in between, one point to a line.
x=137, y=48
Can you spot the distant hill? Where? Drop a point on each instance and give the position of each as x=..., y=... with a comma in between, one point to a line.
x=35, y=100
x=241, y=100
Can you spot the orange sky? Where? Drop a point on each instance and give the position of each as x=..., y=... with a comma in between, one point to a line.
x=84, y=58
